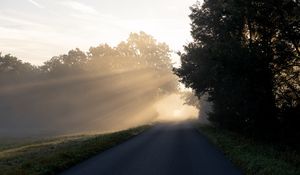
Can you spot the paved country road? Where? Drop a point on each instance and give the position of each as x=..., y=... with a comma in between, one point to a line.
x=166, y=149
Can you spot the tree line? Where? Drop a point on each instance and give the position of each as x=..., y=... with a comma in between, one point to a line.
x=140, y=51
x=103, y=89
x=246, y=56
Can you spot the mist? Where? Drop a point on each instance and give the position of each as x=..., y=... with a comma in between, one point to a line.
x=173, y=108
x=105, y=90
x=88, y=104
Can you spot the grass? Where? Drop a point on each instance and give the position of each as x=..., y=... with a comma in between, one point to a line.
x=254, y=157
x=7, y=144
x=54, y=155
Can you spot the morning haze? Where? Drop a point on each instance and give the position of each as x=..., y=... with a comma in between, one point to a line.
x=156, y=87
x=106, y=89
x=53, y=98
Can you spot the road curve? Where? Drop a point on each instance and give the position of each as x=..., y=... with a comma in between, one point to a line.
x=166, y=149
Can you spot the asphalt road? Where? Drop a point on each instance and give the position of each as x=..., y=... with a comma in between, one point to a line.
x=166, y=149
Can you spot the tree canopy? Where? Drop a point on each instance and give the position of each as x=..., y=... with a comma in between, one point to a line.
x=245, y=55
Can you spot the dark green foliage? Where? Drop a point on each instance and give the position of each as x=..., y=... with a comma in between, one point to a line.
x=245, y=55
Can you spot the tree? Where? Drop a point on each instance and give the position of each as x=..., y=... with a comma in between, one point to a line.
x=75, y=60
x=107, y=87
x=240, y=51
x=140, y=51
x=13, y=70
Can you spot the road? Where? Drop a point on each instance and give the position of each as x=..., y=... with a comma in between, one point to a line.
x=166, y=149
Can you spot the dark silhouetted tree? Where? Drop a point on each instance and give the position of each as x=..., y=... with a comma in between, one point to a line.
x=245, y=55
x=13, y=70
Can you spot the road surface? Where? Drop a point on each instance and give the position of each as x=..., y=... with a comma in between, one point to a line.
x=166, y=149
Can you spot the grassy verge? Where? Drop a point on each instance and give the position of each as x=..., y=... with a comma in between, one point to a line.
x=57, y=155
x=254, y=157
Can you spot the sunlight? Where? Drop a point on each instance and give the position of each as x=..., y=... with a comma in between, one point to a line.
x=172, y=108
x=177, y=112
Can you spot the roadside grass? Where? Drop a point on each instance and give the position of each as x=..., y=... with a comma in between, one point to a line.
x=7, y=144
x=254, y=157
x=54, y=156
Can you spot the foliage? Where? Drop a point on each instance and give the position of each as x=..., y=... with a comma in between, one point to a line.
x=190, y=99
x=245, y=55
x=140, y=51
x=13, y=70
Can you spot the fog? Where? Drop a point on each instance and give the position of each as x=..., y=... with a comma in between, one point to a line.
x=88, y=104
x=173, y=108
x=103, y=90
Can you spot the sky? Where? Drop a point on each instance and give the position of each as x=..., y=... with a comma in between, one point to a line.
x=36, y=30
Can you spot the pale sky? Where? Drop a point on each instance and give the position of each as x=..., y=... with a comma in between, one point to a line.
x=36, y=30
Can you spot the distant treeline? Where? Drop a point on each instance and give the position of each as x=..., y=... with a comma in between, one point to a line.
x=140, y=51
x=104, y=89
x=246, y=56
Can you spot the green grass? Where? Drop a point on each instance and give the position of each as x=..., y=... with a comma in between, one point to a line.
x=54, y=155
x=254, y=157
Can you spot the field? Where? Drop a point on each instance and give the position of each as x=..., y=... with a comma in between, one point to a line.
x=50, y=156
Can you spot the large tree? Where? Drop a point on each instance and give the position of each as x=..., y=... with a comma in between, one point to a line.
x=245, y=55
x=139, y=51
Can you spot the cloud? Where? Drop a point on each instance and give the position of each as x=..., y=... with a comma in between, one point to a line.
x=15, y=21
x=36, y=4
x=80, y=7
